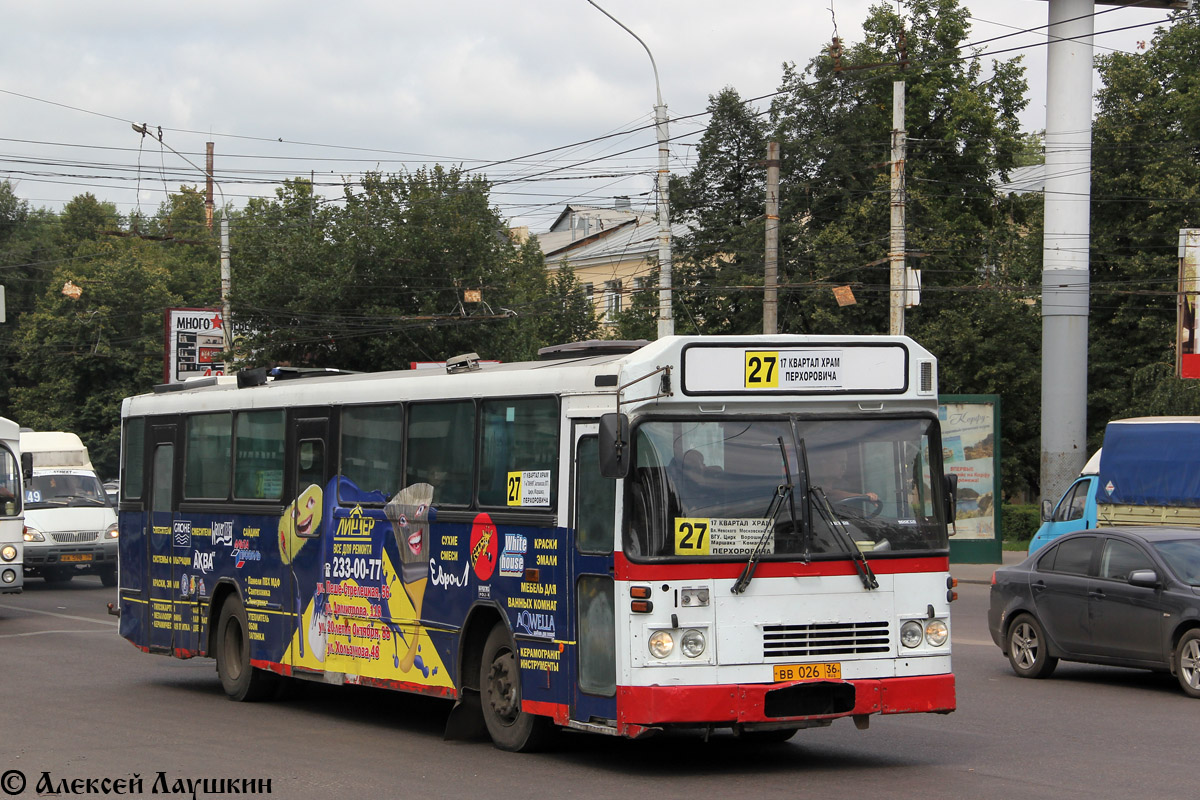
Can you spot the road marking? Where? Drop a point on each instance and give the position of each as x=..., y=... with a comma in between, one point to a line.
x=60, y=616
x=973, y=642
x=40, y=633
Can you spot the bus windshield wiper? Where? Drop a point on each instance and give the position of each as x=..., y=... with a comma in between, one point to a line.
x=835, y=523
x=783, y=491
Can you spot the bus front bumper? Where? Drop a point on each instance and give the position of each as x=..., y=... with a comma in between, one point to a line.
x=776, y=704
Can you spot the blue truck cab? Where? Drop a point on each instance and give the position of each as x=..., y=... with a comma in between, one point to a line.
x=1075, y=510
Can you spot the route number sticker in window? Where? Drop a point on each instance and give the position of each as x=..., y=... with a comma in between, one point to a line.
x=529, y=488
x=691, y=536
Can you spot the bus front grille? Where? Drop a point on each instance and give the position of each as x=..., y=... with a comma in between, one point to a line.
x=825, y=639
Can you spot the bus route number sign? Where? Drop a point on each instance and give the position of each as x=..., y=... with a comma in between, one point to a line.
x=794, y=370
x=762, y=369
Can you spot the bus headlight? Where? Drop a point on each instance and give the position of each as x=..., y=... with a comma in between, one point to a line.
x=111, y=533
x=8, y=553
x=911, y=634
x=692, y=643
x=936, y=632
x=661, y=644
x=33, y=535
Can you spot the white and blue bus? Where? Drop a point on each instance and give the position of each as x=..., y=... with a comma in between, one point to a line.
x=709, y=532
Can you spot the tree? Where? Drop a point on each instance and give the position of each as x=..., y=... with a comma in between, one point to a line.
x=569, y=315
x=78, y=358
x=722, y=200
x=1145, y=187
x=835, y=124
x=379, y=280
x=975, y=248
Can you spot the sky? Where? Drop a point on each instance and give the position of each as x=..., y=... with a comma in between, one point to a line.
x=329, y=90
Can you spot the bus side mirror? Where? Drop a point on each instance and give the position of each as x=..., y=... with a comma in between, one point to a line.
x=614, y=445
x=1047, y=510
x=951, y=495
x=27, y=466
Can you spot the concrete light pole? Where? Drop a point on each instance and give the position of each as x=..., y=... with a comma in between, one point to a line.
x=666, y=322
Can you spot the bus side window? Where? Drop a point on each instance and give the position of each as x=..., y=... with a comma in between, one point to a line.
x=440, y=449
x=310, y=463
x=373, y=447
x=258, y=468
x=519, y=452
x=134, y=458
x=595, y=501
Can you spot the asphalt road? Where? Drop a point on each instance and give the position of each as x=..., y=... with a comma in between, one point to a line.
x=79, y=703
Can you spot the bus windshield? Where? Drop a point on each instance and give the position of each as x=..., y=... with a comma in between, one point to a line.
x=719, y=489
x=62, y=490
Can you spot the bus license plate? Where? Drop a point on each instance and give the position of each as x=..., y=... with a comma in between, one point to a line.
x=75, y=557
x=808, y=672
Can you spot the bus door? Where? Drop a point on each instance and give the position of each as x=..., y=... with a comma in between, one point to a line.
x=167, y=541
x=593, y=519
x=306, y=480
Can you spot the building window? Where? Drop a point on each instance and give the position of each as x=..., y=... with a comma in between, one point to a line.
x=612, y=300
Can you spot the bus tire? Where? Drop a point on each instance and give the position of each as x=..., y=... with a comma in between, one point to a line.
x=108, y=576
x=240, y=681
x=500, y=692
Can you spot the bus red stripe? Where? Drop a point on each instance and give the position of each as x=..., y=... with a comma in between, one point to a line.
x=626, y=570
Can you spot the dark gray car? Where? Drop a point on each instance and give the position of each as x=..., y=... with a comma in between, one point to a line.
x=1127, y=597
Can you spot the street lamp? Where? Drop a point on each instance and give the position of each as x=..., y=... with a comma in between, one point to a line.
x=666, y=322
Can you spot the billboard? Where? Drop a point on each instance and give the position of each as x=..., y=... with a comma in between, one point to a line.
x=1188, y=326
x=195, y=341
x=970, y=450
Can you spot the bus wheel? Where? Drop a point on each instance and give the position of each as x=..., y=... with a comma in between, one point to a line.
x=240, y=680
x=500, y=690
x=108, y=576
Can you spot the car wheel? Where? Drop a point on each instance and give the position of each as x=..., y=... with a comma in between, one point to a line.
x=1028, y=650
x=500, y=692
x=241, y=681
x=108, y=576
x=1187, y=663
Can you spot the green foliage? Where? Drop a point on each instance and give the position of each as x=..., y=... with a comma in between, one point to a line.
x=722, y=201
x=378, y=280
x=576, y=320
x=77, y=359
x=1020, y=522
x=1146, y=186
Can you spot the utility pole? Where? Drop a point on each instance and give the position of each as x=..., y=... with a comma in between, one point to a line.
x=897, y=275
x=208, y=185
x=226, y=271
x=226, y=285
x=771, y=266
